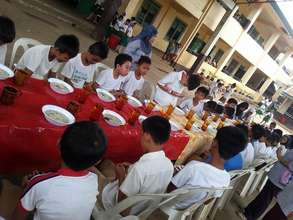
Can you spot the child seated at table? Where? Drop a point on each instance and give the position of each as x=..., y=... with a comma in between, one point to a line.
x=228, y=142
x=80, y=70
x=209, y=107
x=229, y=112
x=71, y=192
x=7, y=30
x=170, y=88
x=134, y=80
x=197, y=101
x=44, y=60
x=112, y=79
x=150, y=174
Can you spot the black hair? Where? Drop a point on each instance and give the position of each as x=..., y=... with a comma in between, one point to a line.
x=7, y=30
x=267, y=133
x=203, y=90
x=257, y=131
x=67, y=44
x=239, y=111
x=99, y=49
x=193, y=81
x=231, y=141
x=212, y=79
x=244, y=128
x=127, y=20
x=144, y=59
x=278, y=132
x=158, y=127
x=229, y=111
x=82, y=145
x=233, y=85
x=121, y=59
x=211, y=105
x=273, y=123
x=219, y=109
x=274, y=139
x=232, y=101
x=218, y=80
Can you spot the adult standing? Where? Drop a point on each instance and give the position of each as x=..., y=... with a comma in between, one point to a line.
x=141, y=45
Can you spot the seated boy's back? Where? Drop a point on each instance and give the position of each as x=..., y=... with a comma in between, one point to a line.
x=71, y=192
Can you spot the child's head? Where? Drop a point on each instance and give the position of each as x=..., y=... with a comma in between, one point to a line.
x=97, y=52
x=7, y=30
x=229, y=112
x=272, y=140
x=244, y=128
x=219, y=109
x=143, y=65
x=233, y=85
x=122, y=63
x=257, y=131
x=278, y=132
x=228, y=142
x=273, y=125
x=191, y=81
x=66, y=47
x=82, y=145
x=201, y=93
x=232, y=103
x=243, y=106
x=156, y=131
x=210, y=106
x=127, y=22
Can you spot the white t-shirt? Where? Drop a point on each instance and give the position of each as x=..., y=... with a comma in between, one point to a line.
x=106, y=80
x=36, y=59
x=64, y=195
x=199, y=174
x=199, y=108
x=172, y=80
x=247, y=155
x=79, y=74
x=131, y=84
x=261, y=151
x=187, y=104
x=152, y=173
x=3, y=50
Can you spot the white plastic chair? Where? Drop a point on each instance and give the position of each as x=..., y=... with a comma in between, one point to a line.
x=220, y=203
x=154, y=201
x=148, y=91
x=177, y=214
x=25, y=43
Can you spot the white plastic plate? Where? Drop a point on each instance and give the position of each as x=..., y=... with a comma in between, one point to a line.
x=175, y=126
x=57, y=116
x=60, y=86
x=134, y=102
x=5, y=72
x=105, y=96
x=113, y=118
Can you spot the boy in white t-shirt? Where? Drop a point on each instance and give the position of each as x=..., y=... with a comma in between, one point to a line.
x=228, y=142
x=80, y=70
x=170, y=88
x=134, y=80
x=44, y=60
x=7, y=35
x=70, y=193
x=112, y=79
x=200, y=94
x=150, y=174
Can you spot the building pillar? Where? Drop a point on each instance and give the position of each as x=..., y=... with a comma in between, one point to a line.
x=285, y=58
x=265, y=86
x=246, y=77
x=254, y=14
x=271, y=42
x=285, y=105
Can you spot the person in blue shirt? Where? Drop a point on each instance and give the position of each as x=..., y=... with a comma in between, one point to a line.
x=234, y=163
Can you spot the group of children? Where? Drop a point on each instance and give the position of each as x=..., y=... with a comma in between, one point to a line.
x=71, y=192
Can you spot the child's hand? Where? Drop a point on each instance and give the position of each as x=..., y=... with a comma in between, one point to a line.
x=120, y=172
x=26, y=179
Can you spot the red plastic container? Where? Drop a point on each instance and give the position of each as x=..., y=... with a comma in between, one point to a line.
x=113, y=41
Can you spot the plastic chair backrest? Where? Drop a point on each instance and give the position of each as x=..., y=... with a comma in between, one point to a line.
x=25, y=43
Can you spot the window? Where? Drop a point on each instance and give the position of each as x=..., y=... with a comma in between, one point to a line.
x=256, y=36
x=148, y=11
x=231, y=67
x=218, y=55
x=239, y=73
x=196, y=46
x=176, y=30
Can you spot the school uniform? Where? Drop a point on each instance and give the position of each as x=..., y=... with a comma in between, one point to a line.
x=64, y=195
x=36, y=59
x=78, y=73
x=199, y=174
x=106, y=80
x=152, y=173
x=3, y=51
x=132, y=84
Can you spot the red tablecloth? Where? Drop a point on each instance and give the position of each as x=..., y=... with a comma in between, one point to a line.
x=28, y=142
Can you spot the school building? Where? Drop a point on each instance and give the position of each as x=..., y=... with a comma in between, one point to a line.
x=251, y=50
